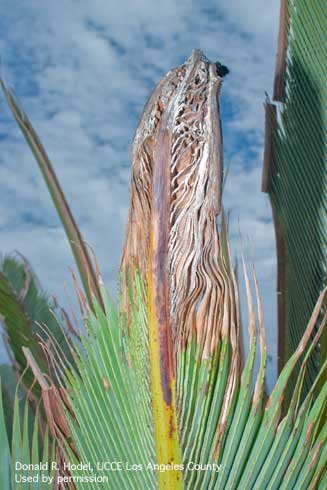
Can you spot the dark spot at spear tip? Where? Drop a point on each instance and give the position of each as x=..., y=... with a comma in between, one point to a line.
x=222, y=70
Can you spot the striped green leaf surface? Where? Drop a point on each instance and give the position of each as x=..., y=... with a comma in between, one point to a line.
x=244, y=443
x=297, y=182
x=26, y=311
x=25, y=464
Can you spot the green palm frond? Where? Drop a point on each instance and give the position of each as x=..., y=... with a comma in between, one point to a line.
x=4, y=450
x=9, y=390
x=76, y=242
x=157, y=385
x=26, y=310
x=24, y=450
x=239, y=438
x=179, y=396
x=295, y=172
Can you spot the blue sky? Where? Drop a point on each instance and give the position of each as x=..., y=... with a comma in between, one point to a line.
x=83, y=71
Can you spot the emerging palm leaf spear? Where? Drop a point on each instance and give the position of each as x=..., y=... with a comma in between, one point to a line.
x=172, y=233
x=162, y=383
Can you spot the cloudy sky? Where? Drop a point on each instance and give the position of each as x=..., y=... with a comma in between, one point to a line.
x=83, y=70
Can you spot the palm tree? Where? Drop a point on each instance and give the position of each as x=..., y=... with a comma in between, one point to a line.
x=156, y=394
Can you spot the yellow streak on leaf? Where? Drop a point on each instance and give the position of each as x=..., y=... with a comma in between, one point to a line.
x=164, y=415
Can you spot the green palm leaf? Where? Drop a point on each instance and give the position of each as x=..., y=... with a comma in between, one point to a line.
x=76, y=242
x=245, y=444
x=295, y=172
x=16, y=458
x=159, y=383
x=156, y=386
x=26, y=311
x=4, y=450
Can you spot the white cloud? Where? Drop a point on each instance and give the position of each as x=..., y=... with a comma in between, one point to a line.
x=83, y=71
